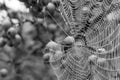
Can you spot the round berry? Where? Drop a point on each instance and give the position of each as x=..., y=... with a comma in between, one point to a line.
x=12, y=31
x=3, y=72
x=53, y=45
x=46, y=58
x=52, y=27
x=51, y=7
x=58, y=54
x=3, y=42
x=18, y=37
x=17, y=40
x=69, y=40
x=6, y=22
x=40, y=20
x=29, y=31
x=15, y=21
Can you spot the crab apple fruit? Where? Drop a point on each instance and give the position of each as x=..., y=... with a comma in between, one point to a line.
x=3, y=72
x=12, y=31
x=51, y=7
x=3, y=42
x=15, y=21
x=52, y=27
x=6, y=22
x=18, y=39
x=58, y=54
x=28, y=31
x=1, y=2
x=46, y=58
x=53, y=46
x=69, y=40
x=40, y=20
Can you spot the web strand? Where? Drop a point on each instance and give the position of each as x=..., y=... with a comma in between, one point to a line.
x=58, y=24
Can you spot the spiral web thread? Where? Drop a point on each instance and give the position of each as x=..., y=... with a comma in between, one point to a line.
x=105, y=34
x=68, y=13
x=71, y=66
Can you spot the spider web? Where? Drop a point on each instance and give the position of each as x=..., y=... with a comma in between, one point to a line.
x=71, y=66
x=74, y=64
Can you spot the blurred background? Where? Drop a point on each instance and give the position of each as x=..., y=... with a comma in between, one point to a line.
x=26, y=26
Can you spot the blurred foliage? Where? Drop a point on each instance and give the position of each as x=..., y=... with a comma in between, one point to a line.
x=25, y=34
